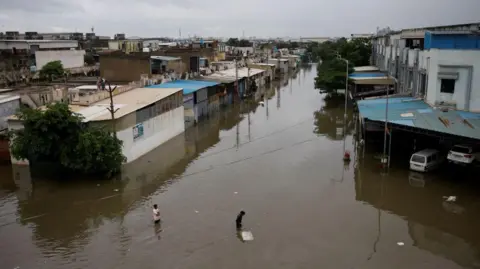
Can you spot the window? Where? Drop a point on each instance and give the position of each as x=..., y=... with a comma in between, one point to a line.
x=418, y=159
x=447, y=86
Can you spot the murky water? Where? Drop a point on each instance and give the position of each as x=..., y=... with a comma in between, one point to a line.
x=282, y=164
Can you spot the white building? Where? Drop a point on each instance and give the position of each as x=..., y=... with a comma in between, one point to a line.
x=34, y=45
x=145, y=119
x=440, y=64
x=280, y=64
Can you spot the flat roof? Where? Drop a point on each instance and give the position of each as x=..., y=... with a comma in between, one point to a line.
x=413, y=112
x=38, y=41
x=242, y=72
x=165, y=58
x=188, y=86
x=366, y=68
x=265, y=64
x=126, y=103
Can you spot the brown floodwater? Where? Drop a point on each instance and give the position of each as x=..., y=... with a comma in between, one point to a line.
x=282, y=164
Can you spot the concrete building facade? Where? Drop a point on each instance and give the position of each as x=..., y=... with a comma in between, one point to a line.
x=440, y=64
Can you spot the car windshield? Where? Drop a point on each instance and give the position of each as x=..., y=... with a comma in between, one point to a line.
x=461, y=149
x=418, y=159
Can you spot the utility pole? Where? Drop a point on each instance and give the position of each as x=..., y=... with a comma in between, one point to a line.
x=112, y=109
x=236, y=78
x=385, y=132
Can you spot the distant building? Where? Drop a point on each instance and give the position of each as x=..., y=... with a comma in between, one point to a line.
x=119, y=36
x=314, y=39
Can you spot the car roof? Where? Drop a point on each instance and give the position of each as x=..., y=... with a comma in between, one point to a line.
x=426, y=152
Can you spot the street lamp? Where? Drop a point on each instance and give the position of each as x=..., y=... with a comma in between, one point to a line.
x=346, y=84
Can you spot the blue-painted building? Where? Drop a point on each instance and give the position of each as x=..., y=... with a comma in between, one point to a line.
x=195, y=97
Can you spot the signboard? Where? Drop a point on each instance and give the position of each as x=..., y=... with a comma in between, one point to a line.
x=137, y=131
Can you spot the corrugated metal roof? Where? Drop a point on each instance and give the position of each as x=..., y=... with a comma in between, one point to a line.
x=188, y=86
x=367, y=75
x=409, y=111
x=165, y=58
x=218, y=79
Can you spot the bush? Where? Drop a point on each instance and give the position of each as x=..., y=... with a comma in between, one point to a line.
x=57, y=135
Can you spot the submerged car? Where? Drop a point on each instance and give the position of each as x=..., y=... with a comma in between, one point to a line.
x=463, y=154
x=426, y=160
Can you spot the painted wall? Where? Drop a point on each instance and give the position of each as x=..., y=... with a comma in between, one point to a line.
x=156, y=131
x=69, y=58
x=464, y=62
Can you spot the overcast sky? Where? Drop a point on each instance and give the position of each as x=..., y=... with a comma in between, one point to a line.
x=229, y=18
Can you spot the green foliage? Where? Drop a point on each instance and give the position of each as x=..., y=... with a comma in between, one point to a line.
x=89, y=59
x=331, y=70
x=52, y=70
x=331, y=75
x=234, y=42
x=59, y=136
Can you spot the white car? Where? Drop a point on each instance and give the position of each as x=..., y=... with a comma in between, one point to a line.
x=463, y=154
x=426, y=160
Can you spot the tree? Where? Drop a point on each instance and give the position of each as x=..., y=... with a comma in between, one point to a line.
x=232, y=42
x=331, y=75
x=52, y=70
x=57, y=135
x=89, y=59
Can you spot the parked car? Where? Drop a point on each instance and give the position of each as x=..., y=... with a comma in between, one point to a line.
x=426, y=160
x=463, y=154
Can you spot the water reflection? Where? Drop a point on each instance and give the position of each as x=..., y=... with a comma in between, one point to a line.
x=81, y=207
x=446, y=229
x=329, y=119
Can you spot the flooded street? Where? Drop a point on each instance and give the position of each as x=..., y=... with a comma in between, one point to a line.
x=282, y=164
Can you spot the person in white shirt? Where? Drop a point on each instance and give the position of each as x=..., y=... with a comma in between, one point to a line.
x=156, y=214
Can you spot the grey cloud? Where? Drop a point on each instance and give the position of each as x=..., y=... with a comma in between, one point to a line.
x=232, y=17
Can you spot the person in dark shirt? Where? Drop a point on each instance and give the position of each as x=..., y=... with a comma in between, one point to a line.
x=238, y=221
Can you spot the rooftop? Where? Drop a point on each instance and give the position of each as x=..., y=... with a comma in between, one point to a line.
x=126, y=103
x=242, y=73
x=7, y=98
x=412, y=112
x=188, y=86
x=165, y=58
x=366, y=69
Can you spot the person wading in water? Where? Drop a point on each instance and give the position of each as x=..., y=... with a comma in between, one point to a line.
x=239, y=219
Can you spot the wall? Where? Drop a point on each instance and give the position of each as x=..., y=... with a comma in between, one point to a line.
x=123, y=69
x=7, y=109
x=464, y=62
x=69, y=58
x=156, y=131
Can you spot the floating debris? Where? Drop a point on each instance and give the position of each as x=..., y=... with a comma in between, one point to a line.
x=400, y=243
x=450, y=198
x=247, y=236
x=115, y=190
x=196, y=211
x=235, y=192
